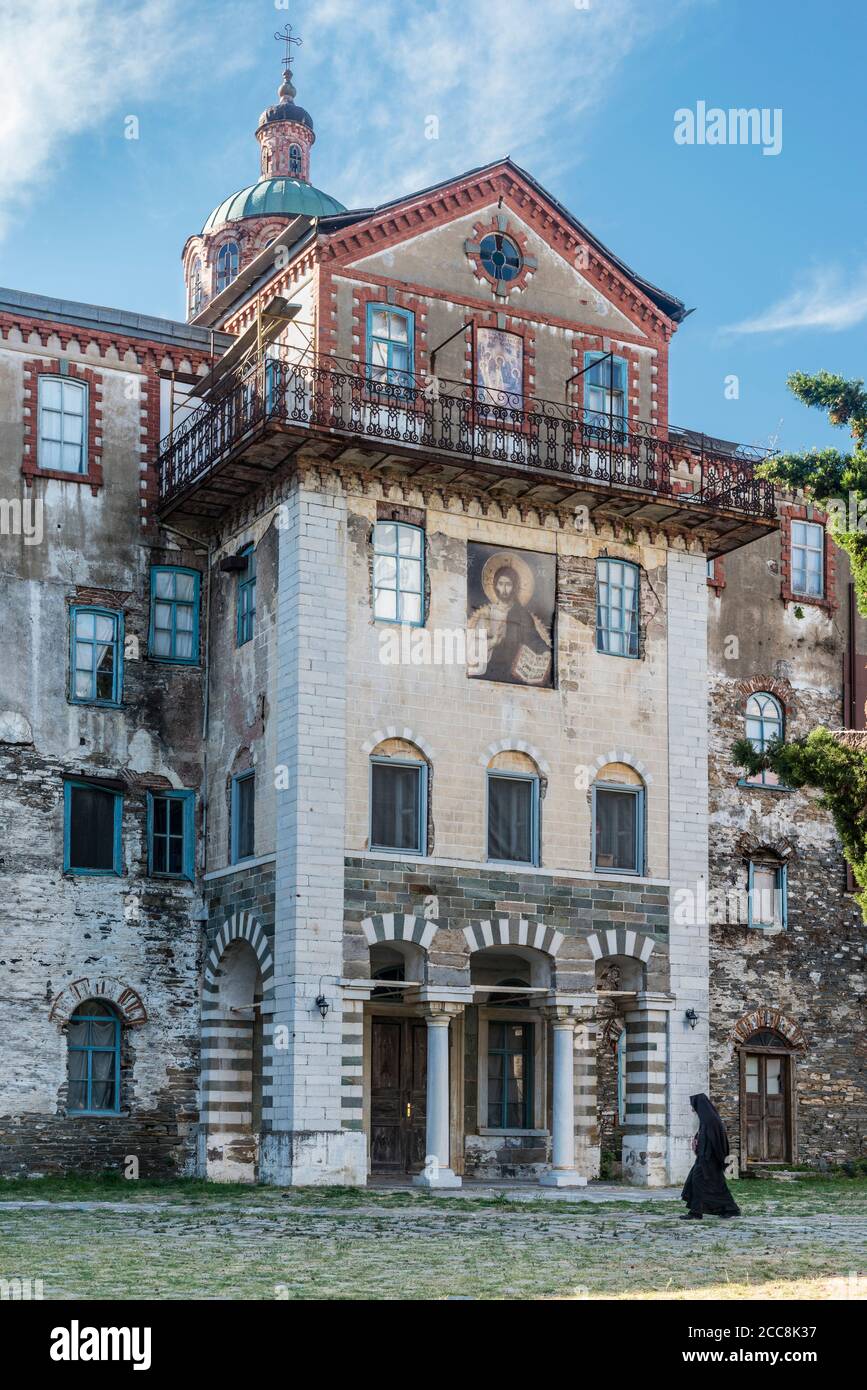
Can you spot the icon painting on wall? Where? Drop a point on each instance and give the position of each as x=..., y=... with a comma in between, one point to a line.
x=500, y=368
x=511, y=597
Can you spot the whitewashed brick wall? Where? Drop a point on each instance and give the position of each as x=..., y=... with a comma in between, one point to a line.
x=688, y=844
x=311, y=743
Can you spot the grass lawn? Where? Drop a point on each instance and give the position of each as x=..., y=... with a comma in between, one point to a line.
x=95, y=1238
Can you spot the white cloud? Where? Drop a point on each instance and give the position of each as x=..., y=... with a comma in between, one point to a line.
x=824, y=298
x=69, y=68
x=512, y=78
x=500, y=80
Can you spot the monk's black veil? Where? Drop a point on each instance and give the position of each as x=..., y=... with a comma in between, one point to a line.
x=713, y=1141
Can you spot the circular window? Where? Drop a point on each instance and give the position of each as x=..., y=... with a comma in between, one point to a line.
x=500, y=257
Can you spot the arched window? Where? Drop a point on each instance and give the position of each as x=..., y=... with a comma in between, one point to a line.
x=296, y=161
x=195, y=298
x=398, y=797
x=93, y=1043
x=227, y=264
x=764, y=724
x=510, y=1000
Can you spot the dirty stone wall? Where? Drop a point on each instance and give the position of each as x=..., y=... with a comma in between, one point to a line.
x=241, y=732
x=131, y=938
x=813, y=972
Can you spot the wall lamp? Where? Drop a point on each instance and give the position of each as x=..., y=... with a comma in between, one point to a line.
x=691, y=1017
x=322, y=1005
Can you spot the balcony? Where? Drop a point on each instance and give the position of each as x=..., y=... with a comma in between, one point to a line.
x=252, y=422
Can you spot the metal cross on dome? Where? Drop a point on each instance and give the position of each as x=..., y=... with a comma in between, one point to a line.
x=286, y=36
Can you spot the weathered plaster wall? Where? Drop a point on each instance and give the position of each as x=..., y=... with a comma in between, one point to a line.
x=814, y=972
x=58, y=928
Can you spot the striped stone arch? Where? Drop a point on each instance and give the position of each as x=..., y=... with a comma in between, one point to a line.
x=227, y=1075
x=242, y=927
x=516, y=745
x=620, y=755
x=397, y=926
x=392, y=731
x=513, y=931
x=620, y=941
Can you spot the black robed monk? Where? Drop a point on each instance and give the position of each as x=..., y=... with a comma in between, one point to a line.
x=705, y=1189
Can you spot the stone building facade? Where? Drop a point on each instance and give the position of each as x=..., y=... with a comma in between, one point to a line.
x=402, y=713
x=788, y=981
x=79, y=543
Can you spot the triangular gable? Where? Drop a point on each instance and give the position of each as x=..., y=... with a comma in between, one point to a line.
x=360, y=238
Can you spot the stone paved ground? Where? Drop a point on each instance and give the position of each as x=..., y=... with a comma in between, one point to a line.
x=188, y=1241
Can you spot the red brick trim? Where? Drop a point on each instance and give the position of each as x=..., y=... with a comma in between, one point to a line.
x=828, y=601
x=394, y=225
x=33, y=370
x=769, y=685
x=622, y=338
x=763, y=1017
x=717, y=581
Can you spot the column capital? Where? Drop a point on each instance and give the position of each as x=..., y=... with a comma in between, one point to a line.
x=562, y=1008
x=442, y=1002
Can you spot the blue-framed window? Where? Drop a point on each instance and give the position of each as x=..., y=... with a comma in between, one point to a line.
x=174, y=629
x=243, y=817
x=92, y=819
x=767, y=894
x=764, y=724
x=510, y=1075
x=808, y=559
x=171, y=838
x=398, y=805
x=513, y=817
x=247, y=597
x=95, y=656
x=296, y=162
x=398, y=573
x=62, y=424
x=618, y=597
x=93, y=1046
x=606, y=391
x=618, y=828
x=227, y=265
x=390, y=345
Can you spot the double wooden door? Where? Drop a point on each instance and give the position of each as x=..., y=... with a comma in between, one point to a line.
x=398, y=1093
x=765, y=1092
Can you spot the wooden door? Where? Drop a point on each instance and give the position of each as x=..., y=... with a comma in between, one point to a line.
x=765, y=1098
x=398, y=1093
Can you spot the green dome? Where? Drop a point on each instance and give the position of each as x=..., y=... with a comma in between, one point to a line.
x=281, y=197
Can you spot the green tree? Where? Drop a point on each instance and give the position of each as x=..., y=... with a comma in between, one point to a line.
x=835, y=767
x=827, y=475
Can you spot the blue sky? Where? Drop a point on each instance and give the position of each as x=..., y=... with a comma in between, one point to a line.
x=771, y=250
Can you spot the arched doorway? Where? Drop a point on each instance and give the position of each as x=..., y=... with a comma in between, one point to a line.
x=232, y=1066
x=767, y=1098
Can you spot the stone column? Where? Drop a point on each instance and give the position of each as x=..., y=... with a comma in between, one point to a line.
x=645, y=1143
x=563, y=1172
x=586, y=1117
x=437, y=1170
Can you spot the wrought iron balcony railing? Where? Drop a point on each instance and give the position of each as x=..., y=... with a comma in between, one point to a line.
x=327, y=395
